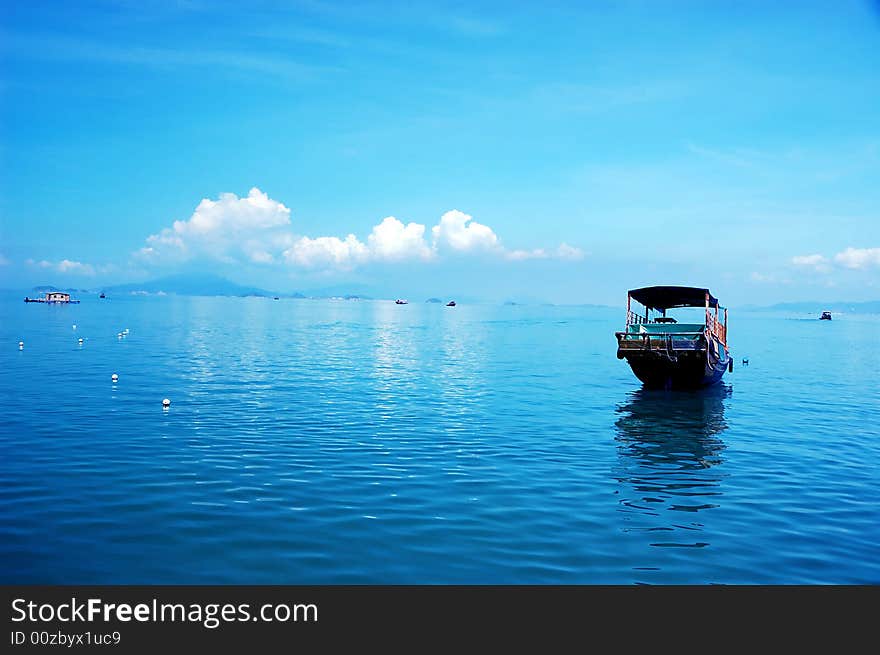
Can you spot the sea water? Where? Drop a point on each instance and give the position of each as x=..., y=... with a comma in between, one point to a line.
x=321, y=441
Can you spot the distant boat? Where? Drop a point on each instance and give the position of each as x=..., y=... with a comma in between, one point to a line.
x=451, y=303
x=275, y=298
x=826, y=316
x=102, y=295
x=666, y=354
x=401, y=302
x=54, y=298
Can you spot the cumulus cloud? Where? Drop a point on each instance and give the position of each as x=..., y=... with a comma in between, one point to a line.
x=858, y=258
x=327, y=252
x=458, y=231
x=258, y=229
x=392, y=240
x=229, y=229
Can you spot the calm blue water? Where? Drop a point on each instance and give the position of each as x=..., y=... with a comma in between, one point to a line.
x=364, y=442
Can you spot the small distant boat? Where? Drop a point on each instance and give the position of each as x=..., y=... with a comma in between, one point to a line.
x=401, y=302
x=102, y=295
x=275, y=298
x=826, y=316
x=54, y=298
x=451, y=303
x=666, y=354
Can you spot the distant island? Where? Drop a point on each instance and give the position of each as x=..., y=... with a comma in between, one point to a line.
x=201, y=284
x=433, y=301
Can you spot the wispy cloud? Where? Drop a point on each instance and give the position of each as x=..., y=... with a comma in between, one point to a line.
x=66, y=49
x=564, y=251
x=69, y=266
x=851, y=258
x=817, y=262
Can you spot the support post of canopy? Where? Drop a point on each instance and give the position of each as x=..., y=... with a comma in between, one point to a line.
x=628, y=300
x=707, y=309
x=725, y=326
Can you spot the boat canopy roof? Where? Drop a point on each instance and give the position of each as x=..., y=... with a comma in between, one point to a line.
x=668, y=297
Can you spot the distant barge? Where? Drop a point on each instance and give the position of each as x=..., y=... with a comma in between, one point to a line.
x=54, y=298
x=666, y=354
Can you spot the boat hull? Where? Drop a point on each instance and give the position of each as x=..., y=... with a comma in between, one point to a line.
x=685, y=370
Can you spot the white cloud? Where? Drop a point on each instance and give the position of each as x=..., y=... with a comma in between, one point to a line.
x=520, y=255
x=229, y=229
x=68, y=266
x=808, y=260
x=261, y=257
x=458, y=231
x=852, y=258
x=327, y=252
x=77, y=268
x=392, y=240
x=858, y=258
x=817, y=262
x=564, y=251
x=258, y=229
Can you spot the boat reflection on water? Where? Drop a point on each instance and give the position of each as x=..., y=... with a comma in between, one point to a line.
x=670, y=453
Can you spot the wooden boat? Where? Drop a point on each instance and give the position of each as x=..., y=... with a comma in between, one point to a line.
x=102, y=295
x=451, y=303
x=826, y=316
x=401, y=302
x=666, y=354
x=54, y=298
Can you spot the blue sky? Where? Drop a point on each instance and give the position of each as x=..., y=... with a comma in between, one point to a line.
x=563, y=152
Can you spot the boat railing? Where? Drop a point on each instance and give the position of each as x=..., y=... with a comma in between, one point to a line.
x=716, y=328
x=632, y=318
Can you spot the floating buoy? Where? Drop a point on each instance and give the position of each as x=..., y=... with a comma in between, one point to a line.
x=125, y=331
x=21, y=345
x=745, y=361
x=119, y=335
x=80, y=341
x=114, y=377
x=74, y=326
x=166, y=402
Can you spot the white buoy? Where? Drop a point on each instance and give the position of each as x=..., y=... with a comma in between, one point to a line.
x=166, y=402
x=119, y=335
x=21, y=345
x=74, y=326
x=125, y=331
x=114, y=377
x=80, y=341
